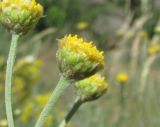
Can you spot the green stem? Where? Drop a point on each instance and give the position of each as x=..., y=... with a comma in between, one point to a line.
x=8, y=83
x=122, y=105
x=73, y=110
x=122, y=96
x=62, y=85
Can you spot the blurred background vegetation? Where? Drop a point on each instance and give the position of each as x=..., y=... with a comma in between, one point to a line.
x=129, y=33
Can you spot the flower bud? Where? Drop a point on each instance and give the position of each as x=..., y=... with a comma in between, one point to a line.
x=20, y=16
x=91, y=88
x=78, y=59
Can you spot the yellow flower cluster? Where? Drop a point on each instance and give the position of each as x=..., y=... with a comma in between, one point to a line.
x=122, y=78
x=27, y=72
x=3, y=123
x=80, y=46
x=29, y=5
x=19, y=16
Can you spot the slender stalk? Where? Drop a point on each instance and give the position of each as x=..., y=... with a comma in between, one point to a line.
x=145, y=72
x=8, y=80
x=122, y=105
x=122, y=96
x=62, y=85
x=72, y=111
x=135, y=55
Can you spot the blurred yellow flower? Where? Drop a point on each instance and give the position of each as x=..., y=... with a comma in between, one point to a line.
x=154, y=49
x=27, y=112
x=29, y=69
x=42, y=99
x=19, y=84
x=82, y=25
x=122, y=78
x=3, y=123
x=49, y=121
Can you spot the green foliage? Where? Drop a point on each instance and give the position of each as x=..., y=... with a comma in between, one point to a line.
x=55, y=16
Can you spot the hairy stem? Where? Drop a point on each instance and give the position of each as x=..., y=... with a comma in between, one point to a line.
x=62, y=85
x=70, y=114
x=8, y=80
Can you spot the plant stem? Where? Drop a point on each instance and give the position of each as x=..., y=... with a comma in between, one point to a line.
x=8, y=80
x=62, y=85
x=122, y=96
x=73, y=110
x=145, y=72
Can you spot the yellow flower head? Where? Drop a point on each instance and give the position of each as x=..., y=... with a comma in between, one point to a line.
x=3, y=123
x=91, y=88
x=154, y=49
x=80, y=46
x=122, y=78
x=82, y=25
x=20, y=16
x=77, y=56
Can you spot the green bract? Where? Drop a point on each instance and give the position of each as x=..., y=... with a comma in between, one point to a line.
x=75, y=65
